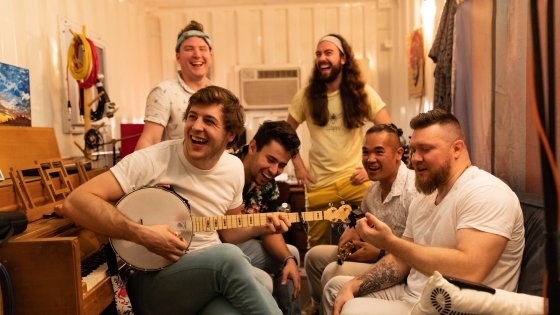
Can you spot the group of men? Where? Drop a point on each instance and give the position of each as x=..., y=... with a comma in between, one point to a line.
x=443, y=215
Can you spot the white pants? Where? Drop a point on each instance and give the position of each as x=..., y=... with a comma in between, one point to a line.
x=390, y=301
x=321, y=266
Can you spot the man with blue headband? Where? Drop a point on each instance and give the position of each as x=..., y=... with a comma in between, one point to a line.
x=168, y=101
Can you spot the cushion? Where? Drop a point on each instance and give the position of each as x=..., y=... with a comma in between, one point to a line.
x=441, y=297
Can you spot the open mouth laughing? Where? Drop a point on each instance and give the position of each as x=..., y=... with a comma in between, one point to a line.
x=198, y=140
x=197, y=64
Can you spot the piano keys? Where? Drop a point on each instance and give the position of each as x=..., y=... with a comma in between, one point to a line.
x=94, y=270
x=46, y=273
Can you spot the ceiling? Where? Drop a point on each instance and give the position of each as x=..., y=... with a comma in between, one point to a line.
x=168, y=4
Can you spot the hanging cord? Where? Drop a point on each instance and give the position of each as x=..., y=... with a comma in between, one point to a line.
x=93, y=140
x=84, y=70
x=97, y=114
x=10, y=293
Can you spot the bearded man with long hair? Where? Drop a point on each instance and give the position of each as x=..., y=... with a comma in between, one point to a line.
x=335, y=104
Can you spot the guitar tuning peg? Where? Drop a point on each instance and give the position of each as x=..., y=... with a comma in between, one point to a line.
x=330, y=204
x=342, y=203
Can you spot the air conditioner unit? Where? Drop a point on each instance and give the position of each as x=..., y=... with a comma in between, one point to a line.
x=268, y=88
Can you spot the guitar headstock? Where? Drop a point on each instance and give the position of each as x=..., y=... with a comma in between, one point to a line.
x=339, y=215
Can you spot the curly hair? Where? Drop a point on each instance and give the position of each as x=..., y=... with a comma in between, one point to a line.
x=279, y=131
x=232, y=111
x=355, y=104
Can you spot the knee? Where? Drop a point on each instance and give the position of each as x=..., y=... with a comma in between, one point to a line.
x=329, y=272
x=318, y=256
x=231, y=253
x=294, y=252
x=264, y=278
x=330, y=292
x=333, y=286
x=312, y=255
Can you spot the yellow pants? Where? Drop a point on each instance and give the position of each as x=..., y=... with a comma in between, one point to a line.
x=318, y=200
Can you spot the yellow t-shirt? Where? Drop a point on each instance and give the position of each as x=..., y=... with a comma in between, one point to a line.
x=335, y=150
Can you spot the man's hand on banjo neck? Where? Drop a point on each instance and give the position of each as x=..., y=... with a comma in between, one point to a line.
x=278, y=223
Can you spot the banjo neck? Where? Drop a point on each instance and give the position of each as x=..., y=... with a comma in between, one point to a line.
x=139, y=206
x=207, y=224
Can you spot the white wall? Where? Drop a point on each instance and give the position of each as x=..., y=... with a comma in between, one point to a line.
x=30, y=38
x=281, y=34
x=140, y=47
x=288, y=34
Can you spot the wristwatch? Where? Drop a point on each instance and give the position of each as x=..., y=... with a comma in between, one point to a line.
x=381, y=254
x=290, y=257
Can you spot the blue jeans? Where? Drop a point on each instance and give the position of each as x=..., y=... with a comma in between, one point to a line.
x=199, y=278
x=261, y=259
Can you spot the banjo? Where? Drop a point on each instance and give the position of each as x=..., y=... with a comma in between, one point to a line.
x=174, y=211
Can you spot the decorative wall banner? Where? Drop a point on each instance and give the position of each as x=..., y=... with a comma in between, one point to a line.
x=415, y=64
x=15, y=101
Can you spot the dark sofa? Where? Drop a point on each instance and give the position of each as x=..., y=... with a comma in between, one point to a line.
x=533, y=264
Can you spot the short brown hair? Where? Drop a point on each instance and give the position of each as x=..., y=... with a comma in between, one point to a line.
x=192, y=26
x=279, y=131
x=437, y=116
x=232, y=111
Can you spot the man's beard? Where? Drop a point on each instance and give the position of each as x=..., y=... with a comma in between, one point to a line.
x=335, y=70
x=438, y=178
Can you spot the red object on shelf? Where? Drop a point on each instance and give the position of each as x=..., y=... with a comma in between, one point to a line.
x=130, y=133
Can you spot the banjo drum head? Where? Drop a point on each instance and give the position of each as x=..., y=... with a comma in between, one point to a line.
x=152, y=206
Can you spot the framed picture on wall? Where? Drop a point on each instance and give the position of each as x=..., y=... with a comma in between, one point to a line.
x=415, y=45
x=15, y=101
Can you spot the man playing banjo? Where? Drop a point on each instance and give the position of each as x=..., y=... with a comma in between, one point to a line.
x=207, y=277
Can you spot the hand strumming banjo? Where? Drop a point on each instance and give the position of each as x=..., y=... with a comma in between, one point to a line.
x=156, y=205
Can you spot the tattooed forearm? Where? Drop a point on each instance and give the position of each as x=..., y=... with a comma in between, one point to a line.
x=383, y=275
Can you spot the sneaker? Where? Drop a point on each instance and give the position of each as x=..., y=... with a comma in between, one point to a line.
x=309, y=309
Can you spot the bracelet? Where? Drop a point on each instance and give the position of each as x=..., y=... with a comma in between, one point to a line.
x=289, y=257
x=381, y=254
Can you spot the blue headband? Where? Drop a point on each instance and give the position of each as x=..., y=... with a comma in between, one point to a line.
x=192, y=33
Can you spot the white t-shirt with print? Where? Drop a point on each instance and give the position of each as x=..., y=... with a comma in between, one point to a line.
x=335, y=150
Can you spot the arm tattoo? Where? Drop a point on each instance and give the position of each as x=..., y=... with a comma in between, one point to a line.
x=383, y=275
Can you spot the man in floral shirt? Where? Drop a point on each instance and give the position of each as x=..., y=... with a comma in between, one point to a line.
x=264, y=158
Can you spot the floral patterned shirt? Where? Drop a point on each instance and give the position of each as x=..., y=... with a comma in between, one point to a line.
x=259, y=199
x=393, y=211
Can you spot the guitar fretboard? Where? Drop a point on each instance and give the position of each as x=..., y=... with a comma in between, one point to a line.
x=206, y=224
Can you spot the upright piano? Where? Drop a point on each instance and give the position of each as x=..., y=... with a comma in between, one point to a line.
x=45, y=263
